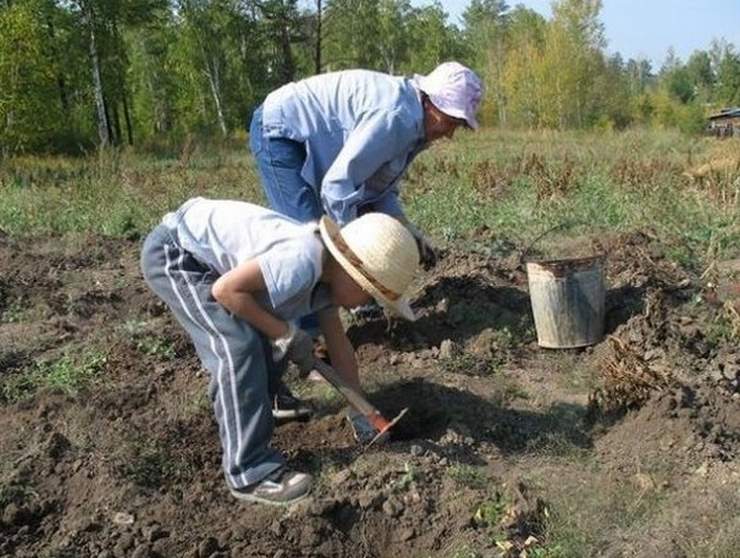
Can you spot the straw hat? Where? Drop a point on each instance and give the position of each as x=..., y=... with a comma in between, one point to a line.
x=379, y=253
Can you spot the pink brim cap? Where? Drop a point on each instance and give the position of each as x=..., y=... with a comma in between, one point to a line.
x=455, y=90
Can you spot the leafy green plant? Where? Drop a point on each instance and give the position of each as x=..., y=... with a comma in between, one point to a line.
x=148, y=343
x=491, y=511
x=156, y=346
x=549, y=551
x=467, y=475
x=410, y=475
x=469, y=364
x=69, y=374
x=13, y=313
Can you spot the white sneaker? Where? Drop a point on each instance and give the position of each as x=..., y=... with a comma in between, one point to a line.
x=281, y=488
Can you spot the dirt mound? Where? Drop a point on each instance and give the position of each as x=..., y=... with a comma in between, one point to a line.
x=110, y=448
x=686, y=425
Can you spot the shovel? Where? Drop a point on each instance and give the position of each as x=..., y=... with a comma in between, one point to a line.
x=362, y=405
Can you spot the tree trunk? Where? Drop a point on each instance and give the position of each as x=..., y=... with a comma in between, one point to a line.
x=500, y=96
x=117, y=124
x=318, y=36
x=61, y=85
x=127, y=118
x=288, y=66
x=112, y=138
x=213, y=79
x=103, y=123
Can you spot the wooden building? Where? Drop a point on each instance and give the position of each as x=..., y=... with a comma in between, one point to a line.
x=725, y=123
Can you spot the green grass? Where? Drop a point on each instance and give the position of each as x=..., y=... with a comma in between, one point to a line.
x=518, y=184
x=115, y=193
x=512, y=200
x=587, y=510
x=68, y=374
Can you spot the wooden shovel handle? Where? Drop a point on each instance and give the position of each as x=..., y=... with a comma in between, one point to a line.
x=352, y=396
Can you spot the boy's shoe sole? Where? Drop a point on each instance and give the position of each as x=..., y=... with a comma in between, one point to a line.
x=314, y=376
x=286, y=407
x=282, y=415
x=257, y=500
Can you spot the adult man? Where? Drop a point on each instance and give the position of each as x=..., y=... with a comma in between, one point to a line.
x=339, y=143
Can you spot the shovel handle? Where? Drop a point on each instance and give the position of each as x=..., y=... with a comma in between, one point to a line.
x=352, y=396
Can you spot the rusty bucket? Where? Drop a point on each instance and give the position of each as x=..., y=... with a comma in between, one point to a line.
x=568, y=298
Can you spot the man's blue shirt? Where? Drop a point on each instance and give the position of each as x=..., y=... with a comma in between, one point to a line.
x=361, y=130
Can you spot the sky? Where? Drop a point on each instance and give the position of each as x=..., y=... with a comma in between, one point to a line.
x=646, y=28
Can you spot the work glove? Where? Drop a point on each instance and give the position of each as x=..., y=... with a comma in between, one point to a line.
x=426, y=251
x=297, y=346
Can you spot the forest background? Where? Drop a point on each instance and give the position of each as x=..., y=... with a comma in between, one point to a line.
x=76, y=74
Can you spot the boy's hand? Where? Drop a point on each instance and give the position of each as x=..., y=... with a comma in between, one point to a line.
x=297, y=346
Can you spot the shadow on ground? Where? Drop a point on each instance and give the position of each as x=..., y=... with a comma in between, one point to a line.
x=456, y=308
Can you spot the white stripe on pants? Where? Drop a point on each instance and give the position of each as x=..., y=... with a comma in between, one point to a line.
x=229, y=348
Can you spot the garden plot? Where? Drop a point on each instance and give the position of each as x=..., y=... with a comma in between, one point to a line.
x=109, y=447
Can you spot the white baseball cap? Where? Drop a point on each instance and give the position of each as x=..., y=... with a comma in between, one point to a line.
x=454, y=89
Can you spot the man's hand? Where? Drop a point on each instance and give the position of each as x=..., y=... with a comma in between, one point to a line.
x=426, y=251
x=297, y=346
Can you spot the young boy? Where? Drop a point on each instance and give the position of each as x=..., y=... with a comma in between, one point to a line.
x=237, y=276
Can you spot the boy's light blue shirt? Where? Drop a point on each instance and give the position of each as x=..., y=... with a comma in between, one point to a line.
x=222, y=234
x=361, y=130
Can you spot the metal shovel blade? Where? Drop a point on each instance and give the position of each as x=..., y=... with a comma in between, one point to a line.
x=385, y=432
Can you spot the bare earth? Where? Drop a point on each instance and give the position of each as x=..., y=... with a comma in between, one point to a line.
x=628, y=448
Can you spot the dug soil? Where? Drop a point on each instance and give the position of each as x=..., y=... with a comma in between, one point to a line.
x=108, y=446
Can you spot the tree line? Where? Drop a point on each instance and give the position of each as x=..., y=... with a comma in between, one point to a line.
x=80, y=73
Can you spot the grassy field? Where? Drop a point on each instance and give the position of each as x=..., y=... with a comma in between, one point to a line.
x=517, y=185
x=486, y=194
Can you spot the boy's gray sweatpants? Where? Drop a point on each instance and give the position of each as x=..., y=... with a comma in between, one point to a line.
x=242, y=373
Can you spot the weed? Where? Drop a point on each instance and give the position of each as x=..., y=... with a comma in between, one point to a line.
x=199, y=404
x=410, y=475
x=156, y=346
x=15, y=494
x=469, y=476
x=464, y=551
x=725, y=328
x=15, y=312
x=516, y=183
x=512, y=391
x=491, y=511
x=152, y=464
x=68, y=374
x=549, y=551
x=148, y=343
x=470, y=365
x=628, y=380
x=585, y=507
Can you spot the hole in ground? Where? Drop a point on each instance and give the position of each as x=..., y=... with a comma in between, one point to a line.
x=427, y=416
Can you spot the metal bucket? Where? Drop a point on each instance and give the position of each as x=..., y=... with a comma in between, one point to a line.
x=568, y=299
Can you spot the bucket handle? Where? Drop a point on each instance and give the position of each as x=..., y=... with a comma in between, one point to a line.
x=566, y=224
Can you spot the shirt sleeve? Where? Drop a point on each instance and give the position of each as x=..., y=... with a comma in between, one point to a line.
x=287, y=272
x=389, y=203
x=379, y=139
